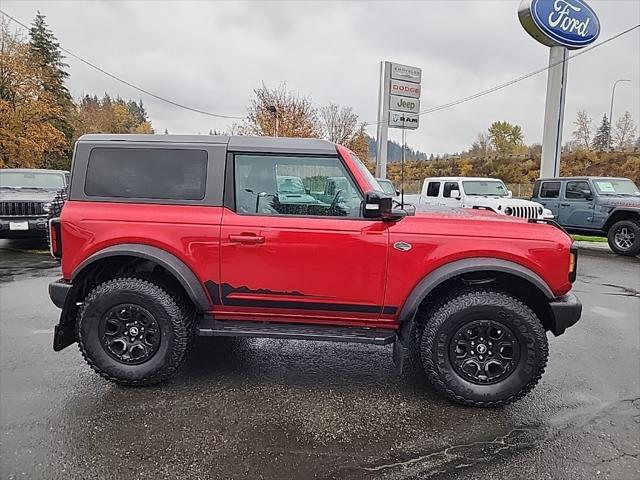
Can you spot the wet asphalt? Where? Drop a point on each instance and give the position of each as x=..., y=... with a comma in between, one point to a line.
x=301, y=410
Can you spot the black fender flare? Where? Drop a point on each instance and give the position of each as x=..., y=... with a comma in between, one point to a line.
x=168, y=261
x=629, y=210
x=453, y=269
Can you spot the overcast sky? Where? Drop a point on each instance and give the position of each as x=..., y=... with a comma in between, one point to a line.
x=211, y=55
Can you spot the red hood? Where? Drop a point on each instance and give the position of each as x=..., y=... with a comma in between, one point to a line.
x=468, y=214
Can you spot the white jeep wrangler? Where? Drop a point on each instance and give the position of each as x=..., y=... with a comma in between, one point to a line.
x=476, y=192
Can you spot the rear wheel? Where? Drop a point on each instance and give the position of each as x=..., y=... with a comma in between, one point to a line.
x=483, y=348
x=624, y=237
x=133, y=332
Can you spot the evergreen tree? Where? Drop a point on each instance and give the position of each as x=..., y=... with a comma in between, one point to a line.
x=46, y=54
x=46, y=51
x=601, y=138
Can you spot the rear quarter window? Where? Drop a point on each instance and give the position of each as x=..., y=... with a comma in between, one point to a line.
x=147, y=173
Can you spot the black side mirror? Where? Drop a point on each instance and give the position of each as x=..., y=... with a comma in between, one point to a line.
x=586, y=194
x=380, y=206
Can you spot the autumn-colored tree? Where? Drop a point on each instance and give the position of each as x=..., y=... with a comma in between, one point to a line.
x=280, y=112
x=340, y=125
x=505, y=137
x=582, y=133
x=110, y=116
x=624, y=132
x=27, y=134
x=481, y=146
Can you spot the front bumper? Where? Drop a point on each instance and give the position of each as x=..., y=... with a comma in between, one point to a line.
x=566, y=311
x=37, y=227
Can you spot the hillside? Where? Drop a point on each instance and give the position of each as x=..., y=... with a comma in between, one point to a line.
x=519, y=169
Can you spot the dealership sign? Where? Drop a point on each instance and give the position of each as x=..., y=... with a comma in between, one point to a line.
x=561, y=25
x=404, y=120
x=566, y=23
x=404, y=104
x=398, y=106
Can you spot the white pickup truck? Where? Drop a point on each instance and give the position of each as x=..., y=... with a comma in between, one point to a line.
x=476, y=192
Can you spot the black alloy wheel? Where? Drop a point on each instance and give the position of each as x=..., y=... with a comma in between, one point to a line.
x=129, y=334
x=484, y=352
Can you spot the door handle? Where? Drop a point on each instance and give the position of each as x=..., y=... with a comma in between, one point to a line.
x=246, y=238
x=564, y=204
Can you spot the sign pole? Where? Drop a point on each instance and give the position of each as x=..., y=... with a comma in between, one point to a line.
x=554, y=112
x=383, y=121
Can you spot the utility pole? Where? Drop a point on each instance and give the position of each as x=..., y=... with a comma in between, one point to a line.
x=613, y=92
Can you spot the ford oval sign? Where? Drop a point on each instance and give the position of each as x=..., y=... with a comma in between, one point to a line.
x=567, y=23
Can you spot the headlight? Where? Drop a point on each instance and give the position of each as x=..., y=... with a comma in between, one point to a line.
x=540, y=210
x=508, y=210
x=46, y=207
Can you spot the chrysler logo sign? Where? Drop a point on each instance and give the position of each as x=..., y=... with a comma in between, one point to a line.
x=405, y=72
x=567, y=23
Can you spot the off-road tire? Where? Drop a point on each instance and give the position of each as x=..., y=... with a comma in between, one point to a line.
x=633, y=227
x=55, y=208
x=172, y=314
x=440, y=324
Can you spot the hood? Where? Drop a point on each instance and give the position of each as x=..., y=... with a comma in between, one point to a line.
x=26, y=195
x=513, y=202
x=480, y=224
x=466, y=214
x=606, y=201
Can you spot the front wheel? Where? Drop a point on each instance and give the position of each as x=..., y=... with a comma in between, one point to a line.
x=133, y=332
x=483, y=348
x=624, y=237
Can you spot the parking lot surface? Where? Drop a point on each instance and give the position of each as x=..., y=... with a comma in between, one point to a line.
x=274, y=409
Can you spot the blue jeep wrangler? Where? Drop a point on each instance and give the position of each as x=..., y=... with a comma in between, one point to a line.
x=602, y=206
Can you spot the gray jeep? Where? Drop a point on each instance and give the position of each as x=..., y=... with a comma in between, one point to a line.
x=601, y=206
x=25, y=200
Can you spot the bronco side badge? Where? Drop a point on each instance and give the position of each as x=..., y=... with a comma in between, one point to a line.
x=402, y=246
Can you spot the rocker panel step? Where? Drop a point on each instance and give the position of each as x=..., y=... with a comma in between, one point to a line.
x=295, y=331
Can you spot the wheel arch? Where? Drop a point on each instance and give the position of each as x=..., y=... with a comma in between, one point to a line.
x=169, y=262
x=618, y=214
x=482, y=270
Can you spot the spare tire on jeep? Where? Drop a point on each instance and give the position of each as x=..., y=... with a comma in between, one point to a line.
x=55, y=208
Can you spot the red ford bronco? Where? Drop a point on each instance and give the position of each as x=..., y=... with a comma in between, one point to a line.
x=166, y=237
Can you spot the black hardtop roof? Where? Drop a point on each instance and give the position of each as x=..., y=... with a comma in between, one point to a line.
x=585, y=177
x=314, y=146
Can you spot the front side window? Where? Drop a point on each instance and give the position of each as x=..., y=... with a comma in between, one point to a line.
x=147, y=173
x=550, y=190
x=289, y=185
x=448, y=188
x=433, y=188
x=577, y=190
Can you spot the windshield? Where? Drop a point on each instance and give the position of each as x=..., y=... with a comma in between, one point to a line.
x=368, y=175
x=612, y=186
x=484, y=188
x=290, y=185
x=10, y=179
x=387, y=187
